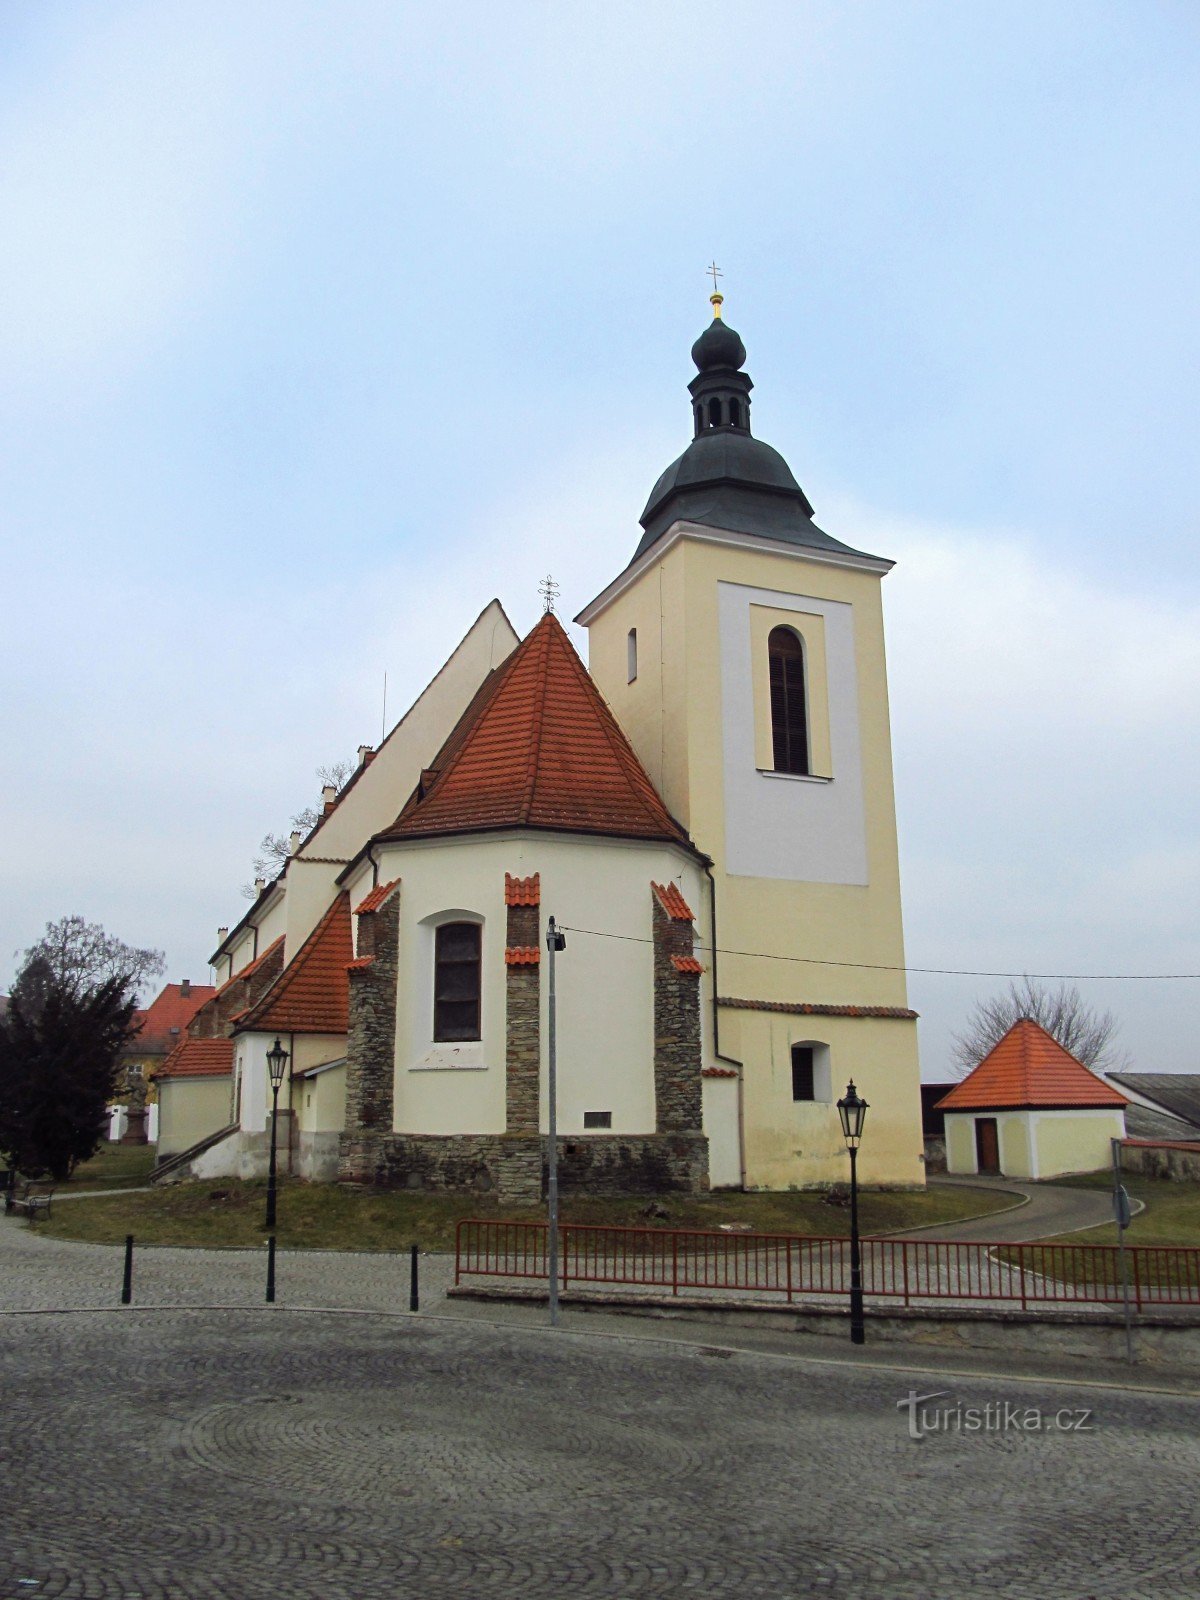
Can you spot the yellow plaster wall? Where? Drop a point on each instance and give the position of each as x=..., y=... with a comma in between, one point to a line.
x=1016, y=1159
x=673, y=718
x=799, y=1143
x=320, y=1102
x=1075, y=1141
x=189, y=1109
x=960, y=1144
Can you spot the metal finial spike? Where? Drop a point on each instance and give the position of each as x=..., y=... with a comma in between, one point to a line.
x=548, y=590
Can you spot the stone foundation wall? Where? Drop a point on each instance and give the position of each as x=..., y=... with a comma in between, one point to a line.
x=508, y=1165
x=1178, y=1162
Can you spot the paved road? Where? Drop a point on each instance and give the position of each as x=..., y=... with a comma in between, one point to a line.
x=1049, y=1209
x=203, y=1456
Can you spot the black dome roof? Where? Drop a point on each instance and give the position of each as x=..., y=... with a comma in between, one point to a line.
x=718, y=346
x=726, y=478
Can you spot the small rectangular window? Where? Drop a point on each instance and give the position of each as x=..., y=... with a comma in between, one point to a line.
x=631, y=654
x=803, y=1087
x=597, y=1119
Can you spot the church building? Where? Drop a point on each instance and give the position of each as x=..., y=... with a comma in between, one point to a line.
x=706, y=808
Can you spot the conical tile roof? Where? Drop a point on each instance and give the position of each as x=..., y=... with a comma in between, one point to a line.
x=538, y=748
x=1029, y=1069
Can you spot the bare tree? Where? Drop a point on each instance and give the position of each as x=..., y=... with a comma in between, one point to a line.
x=275, y=848
x=77, y=956
x=1089, y=1035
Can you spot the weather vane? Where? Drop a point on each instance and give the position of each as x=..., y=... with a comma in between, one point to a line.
x=548, y=590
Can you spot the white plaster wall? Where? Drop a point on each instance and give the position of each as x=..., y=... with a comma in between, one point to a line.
x=811, y=830
x=312, y=887
x=605, y=985
x=379, y=793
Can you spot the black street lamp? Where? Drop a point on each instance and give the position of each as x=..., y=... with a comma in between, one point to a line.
x=277, y=1060
x=853, y=1112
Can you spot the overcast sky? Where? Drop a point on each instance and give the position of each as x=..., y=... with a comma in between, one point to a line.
x=325, y=322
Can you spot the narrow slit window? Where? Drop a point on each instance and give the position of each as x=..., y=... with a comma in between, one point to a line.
x=631, y=655
x=803, y=1077
x=789, y=711
x=456, y=981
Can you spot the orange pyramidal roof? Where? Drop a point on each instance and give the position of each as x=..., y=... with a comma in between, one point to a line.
x=312, y=993
x=1029, y=1069
x=538, y=748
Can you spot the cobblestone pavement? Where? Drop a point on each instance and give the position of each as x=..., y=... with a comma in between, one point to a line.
x=200, y=1455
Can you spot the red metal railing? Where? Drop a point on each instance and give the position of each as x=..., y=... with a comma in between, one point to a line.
x=681, y=1260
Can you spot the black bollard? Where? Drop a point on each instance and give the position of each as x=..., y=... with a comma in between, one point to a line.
x=271, y=1270
x=127, y=1281
x=414, y=1299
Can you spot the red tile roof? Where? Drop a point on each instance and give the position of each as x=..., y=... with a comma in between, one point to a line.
x=686, y=964
x=816, y=1008
x=522, y=891
x=166, y=1018
x=376, y=897
x=360, y=963
x=672, y=902
x=538, y=747
x=248, y=971
x=199, y=1058
x=719, y=1072
x=522, y=955
x=312, y=993
x=1028, y=1069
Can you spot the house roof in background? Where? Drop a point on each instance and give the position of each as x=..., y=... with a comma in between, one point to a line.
x=166, y=1018
x=312, y=993
x=538, y=747
x=1028, y=1069
x=1178, y=1093
x=199, y=1058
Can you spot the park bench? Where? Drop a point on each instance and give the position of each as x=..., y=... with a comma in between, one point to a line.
x=32, y=1198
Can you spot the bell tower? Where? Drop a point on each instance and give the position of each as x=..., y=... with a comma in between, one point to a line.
x=742, y=651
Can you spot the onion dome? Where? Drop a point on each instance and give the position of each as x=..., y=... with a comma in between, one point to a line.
x=727, y=478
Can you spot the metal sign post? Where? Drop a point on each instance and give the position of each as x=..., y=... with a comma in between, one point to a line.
x=1122, y=1213
x=555, y=941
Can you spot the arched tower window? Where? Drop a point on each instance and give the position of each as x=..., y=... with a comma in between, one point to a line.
x=789, y=713
x=698, y=412
x=714, y=413
x=735, y=414
x=456, y=981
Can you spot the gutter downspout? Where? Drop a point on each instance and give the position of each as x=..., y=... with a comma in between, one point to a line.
x=716, y=1017
x=374, y=863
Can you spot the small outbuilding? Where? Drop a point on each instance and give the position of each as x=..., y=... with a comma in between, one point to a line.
x=1031, y=1110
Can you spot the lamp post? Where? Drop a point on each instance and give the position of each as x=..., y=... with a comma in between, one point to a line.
x=556, y=940
x=852, y=1109
x=277, y=1060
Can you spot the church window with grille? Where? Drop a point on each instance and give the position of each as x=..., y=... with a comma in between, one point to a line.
x=456, y=981
x=789, y=713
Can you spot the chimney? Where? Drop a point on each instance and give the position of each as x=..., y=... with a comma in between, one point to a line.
x=294, y=841
x=222, y=935
x=365, y=752
x=329, y=797
x=261, y=883
x=185, y=988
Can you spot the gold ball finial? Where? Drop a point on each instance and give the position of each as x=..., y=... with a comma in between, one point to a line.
x=716, y=298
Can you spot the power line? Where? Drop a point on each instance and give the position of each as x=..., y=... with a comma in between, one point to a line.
x=945, y=972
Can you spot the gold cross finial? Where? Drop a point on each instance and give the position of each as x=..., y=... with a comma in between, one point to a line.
x=548, y=590
x=716, y=298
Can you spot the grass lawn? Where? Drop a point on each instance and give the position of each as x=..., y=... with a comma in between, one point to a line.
x=324, y=1216
x=1172, y=1214
x=1171, y=1217
x=114, y=1166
